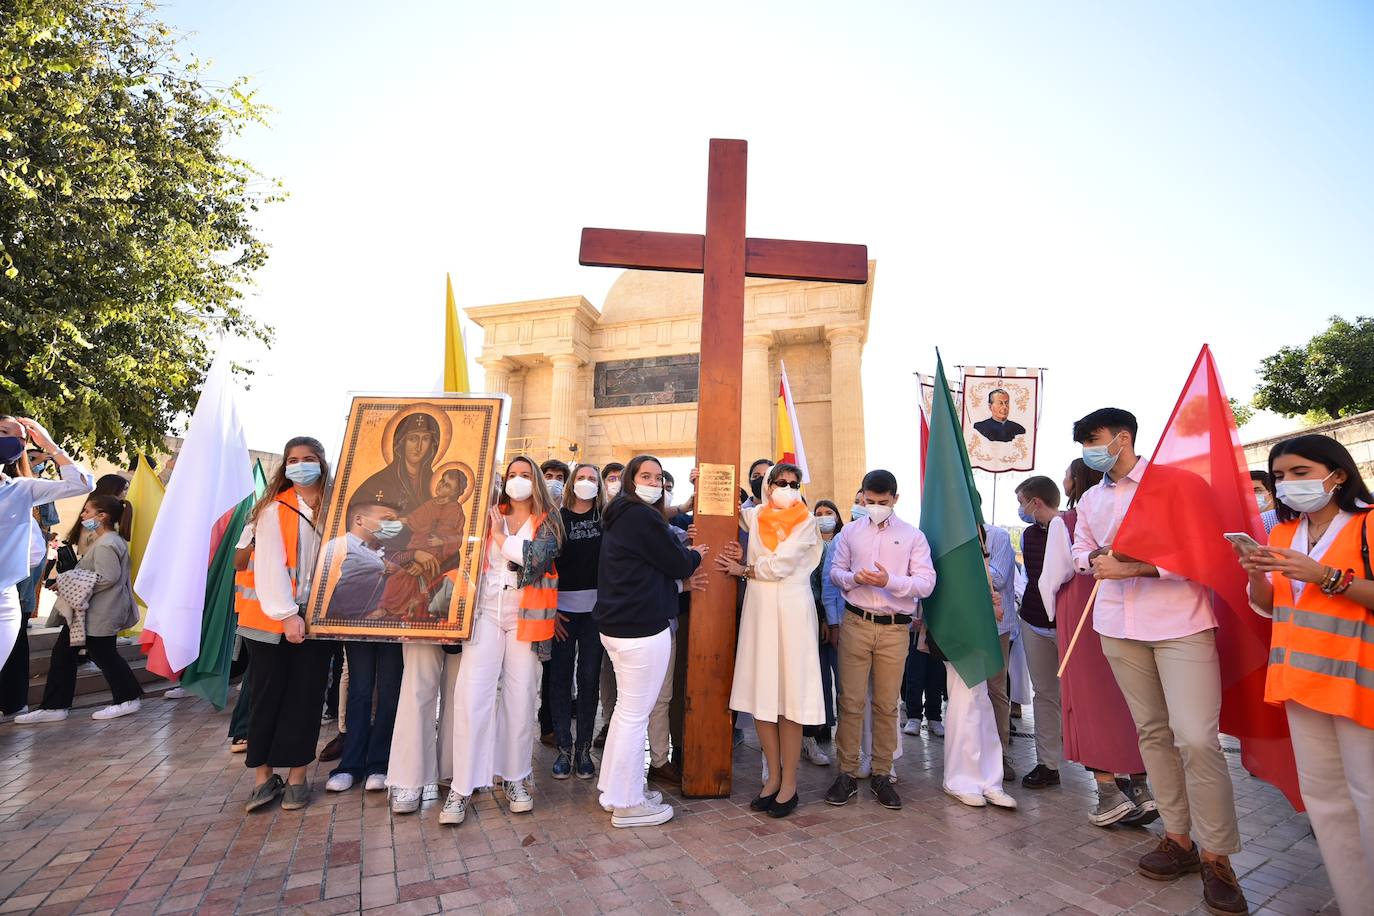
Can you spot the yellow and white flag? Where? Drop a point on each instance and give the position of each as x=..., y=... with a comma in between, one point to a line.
x=790, y=448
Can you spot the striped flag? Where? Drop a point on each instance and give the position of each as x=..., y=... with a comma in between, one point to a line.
x=790, y=448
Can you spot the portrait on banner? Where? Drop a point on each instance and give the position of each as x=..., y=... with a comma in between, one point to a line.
x=1000, y=414
x=406, y=518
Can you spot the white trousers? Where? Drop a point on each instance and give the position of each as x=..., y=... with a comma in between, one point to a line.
x=491, y=737
x=640, y=666
x=973, y=749
x=1335, y=759
x=658, y=719
x=9, y=619
x=421, y=750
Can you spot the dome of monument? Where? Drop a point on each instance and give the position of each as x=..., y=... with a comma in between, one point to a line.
x=640, y=295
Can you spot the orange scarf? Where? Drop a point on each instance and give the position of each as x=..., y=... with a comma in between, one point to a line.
x=773, y=525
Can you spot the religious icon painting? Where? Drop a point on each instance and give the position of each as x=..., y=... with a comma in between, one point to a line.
x=407, y=516
x=1001, y=415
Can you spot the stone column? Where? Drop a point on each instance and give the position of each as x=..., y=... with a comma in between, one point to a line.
x=563, y=403
x=849, y=453
x=502, y=376
x=756, y=431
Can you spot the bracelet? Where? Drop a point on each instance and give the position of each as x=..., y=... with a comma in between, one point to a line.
x=1343, y=584
x=1330, y=577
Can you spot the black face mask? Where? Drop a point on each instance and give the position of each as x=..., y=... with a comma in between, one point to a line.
x=756, y=484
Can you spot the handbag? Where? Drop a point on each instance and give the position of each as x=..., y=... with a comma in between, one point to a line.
x=66, y=558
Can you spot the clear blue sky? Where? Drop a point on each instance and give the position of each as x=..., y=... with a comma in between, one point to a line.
x=1095, y=188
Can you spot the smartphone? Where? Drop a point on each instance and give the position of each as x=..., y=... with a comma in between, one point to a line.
x=1244, y=542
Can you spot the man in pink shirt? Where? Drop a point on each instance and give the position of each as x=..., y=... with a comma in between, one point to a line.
x=1159, y=636
x=882, y=564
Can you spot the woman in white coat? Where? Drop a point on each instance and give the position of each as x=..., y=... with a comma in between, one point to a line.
x=777, y=679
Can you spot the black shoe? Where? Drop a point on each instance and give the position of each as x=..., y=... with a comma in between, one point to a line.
x=600, y=740
x=782, y=809
x=1042, y=777
x=883, y=789
x=763, y=802
x=841, y=790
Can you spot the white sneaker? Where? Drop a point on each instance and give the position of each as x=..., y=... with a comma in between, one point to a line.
x=176, y=693
x=405, y=801
x=936, y=729
x=1000, y=799
x=339, y=782
x=455, y=808
x=10, y=716
x=118, y=709
x=973, y=801
x=41, y=715
x=519, y=797
x=376, y=783
x=811, y=751
x=912, y=727
x=430, y=793
x=865, y=769
x=645, y=815
x=651, y=797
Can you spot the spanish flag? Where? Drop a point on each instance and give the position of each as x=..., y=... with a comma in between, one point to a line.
x=790, y=448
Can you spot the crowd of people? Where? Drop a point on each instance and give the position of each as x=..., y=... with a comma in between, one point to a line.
x=583, y=605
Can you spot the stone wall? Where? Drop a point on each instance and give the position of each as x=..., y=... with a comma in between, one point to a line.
x=1355, y=433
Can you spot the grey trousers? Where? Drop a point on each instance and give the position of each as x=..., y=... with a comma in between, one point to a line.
x=1042, y=658
x=1173, y=688
x=1001, y=699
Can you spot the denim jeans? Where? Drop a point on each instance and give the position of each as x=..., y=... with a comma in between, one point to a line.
x=924, y=686
x=584, y=643
x=367, y=743
x=830, y=678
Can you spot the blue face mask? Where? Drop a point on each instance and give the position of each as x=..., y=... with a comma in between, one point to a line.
x=857, y=512
x=1024, y=514
x=386, y=530
x=90, y=524
x=11, y=447
x=303, y=472
x=1100, y=457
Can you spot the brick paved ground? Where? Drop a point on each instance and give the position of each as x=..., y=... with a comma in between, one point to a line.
x=144, y=815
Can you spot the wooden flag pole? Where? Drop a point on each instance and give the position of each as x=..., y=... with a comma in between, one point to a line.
x=1077, y=631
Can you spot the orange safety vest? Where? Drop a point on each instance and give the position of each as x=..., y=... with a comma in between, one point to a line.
x=1322, y=650
x=538, y=601
x=245, y=584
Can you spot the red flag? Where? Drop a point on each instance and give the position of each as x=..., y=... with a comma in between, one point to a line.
x=1196, y=488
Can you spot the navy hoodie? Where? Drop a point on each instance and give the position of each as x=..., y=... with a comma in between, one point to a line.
x=641, y=562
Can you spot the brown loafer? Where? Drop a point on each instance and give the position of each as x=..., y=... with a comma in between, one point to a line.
x=668, y=774
x=1221, y=892
x=334, y=749
x=1168, y=861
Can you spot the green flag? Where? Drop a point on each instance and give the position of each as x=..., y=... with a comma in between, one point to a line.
x=208, y=675
x=959, y=612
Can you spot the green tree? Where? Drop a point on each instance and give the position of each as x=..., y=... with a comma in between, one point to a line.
x=126, y=238
x=1332, y=375
x=1244, y=412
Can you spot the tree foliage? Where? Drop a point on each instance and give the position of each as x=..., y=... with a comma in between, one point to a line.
x=1244, y=413
x=1332, y=375
x=125, y=224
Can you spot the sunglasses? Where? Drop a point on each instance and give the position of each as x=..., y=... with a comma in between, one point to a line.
x=794, y=484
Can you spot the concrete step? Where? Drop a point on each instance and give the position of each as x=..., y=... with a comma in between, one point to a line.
x=92, y=682
x=41, y=659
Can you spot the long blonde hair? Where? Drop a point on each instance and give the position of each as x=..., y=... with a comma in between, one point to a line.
x=541, y=502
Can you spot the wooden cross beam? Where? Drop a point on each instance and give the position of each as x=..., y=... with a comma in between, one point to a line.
x=725, y=256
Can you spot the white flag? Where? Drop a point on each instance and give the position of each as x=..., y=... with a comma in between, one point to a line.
x=212, y=476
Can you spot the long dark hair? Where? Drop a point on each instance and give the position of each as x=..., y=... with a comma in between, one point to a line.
x=108, y=485
x=829, y=504
x=1081, y=479
x=627, y=485
x=1351, y=495
x=117, y=510
x=278, y=483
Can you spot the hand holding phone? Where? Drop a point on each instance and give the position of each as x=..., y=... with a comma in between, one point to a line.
x=1243, y=542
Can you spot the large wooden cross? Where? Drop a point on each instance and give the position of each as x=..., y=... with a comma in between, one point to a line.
x=725, y=256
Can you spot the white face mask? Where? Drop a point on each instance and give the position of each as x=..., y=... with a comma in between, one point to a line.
x=879, y=514
x=519, y=488
x=1305, y=495
x=650, y=495
x=826, y=523
x=585, y=489
x=784, y=497
x=613, y=488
